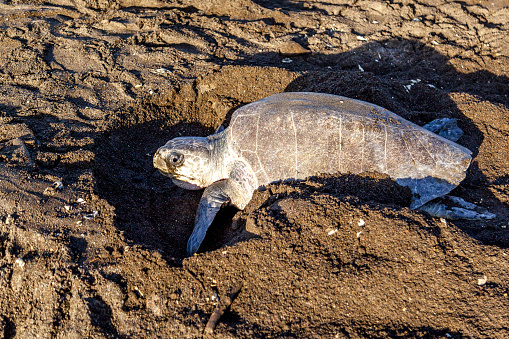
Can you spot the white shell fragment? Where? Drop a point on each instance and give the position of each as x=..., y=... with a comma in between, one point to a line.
x=20, y=262
x=410, y=85
x=161, y=71
x=9, y=219
x=482, y=281
x=52, y=190
x=91, y=215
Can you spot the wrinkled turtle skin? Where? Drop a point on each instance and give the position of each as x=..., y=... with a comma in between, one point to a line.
x=296, y=135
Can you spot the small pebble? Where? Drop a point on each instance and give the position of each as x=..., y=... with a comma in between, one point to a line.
x=91, y=215
x=161, y=71
x=361, y=222
x=20, y=262
x=482, y=281
x=286, y=60
x=58, y=185
x=9, y=219
x=292, y=48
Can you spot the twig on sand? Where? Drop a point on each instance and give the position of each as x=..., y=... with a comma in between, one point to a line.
x=196, y=279
x=220, y=308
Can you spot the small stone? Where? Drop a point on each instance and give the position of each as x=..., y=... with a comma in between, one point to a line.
x=161, y=71
x=20, y=262
x=93, y=113
x=292, y=48
x=91, y=215
x=9, y=219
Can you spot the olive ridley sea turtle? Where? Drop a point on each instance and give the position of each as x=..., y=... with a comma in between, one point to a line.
x=296, y=135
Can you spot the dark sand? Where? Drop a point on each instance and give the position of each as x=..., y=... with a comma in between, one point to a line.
x=90, y=89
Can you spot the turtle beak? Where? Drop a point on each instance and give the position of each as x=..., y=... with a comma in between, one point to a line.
x=160, y=162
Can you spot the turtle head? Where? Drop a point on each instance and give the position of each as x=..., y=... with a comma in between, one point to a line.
x=186, y=161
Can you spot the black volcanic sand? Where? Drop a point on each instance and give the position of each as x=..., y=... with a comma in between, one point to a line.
x=90, y=89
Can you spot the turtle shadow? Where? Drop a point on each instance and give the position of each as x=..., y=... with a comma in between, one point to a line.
x=372, y=190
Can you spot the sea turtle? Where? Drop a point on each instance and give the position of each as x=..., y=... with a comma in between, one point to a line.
x=296, y=135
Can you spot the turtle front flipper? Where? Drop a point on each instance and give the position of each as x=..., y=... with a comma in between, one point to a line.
x=237, y=189
x=213, y=198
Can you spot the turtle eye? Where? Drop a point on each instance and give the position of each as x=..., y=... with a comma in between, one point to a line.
x=175, y=159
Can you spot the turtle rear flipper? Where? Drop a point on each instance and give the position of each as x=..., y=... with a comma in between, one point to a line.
x=464, y=210
x=445, y=127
